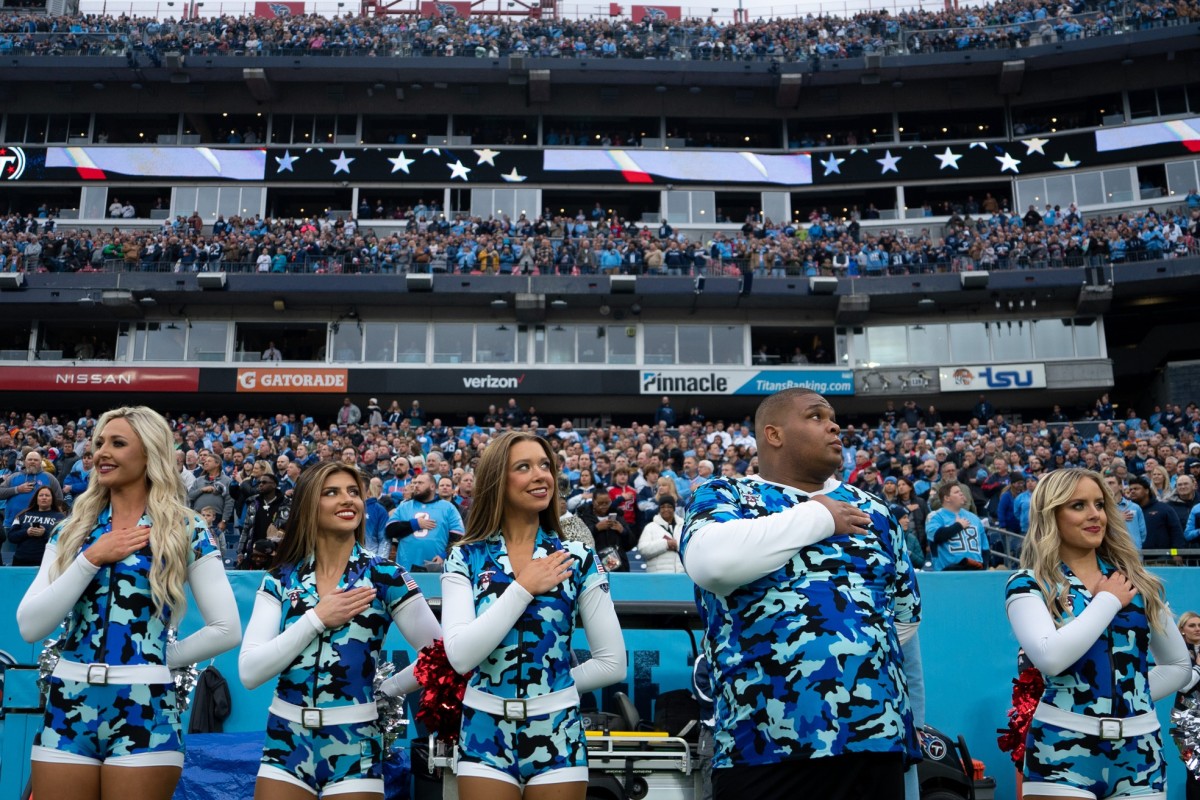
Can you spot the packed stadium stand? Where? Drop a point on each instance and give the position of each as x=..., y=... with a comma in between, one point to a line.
x=461, y=203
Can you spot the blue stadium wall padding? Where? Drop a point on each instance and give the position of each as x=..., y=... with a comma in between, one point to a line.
x=968, y=650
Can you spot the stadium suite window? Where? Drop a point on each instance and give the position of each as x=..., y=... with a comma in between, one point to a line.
x=453, y=343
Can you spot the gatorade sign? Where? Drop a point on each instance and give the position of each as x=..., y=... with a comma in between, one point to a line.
x=313, y=381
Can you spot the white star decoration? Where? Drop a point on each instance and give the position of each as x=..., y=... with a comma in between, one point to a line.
x=437, y=151
x=458, y=170
x=341, y=163
x=832, y=165
x=948, y=159
x=487, y=156
x=1035, y=145
x=888, y=162
x=1007, y=162
x=401, y=163
x=513, y=177
x=1067, y=162
x=285, y=163
x=981, y=145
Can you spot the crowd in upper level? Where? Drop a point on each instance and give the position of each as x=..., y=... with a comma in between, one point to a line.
x=1009, y=23
x=618, y=481
x=978, y=235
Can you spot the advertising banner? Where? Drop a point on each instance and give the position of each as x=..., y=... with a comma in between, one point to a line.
x=273, y=10
x=978, y=377
x=446, y=10
x=99, y=379
x=699, y=380
x=301, y=380
x=655, y=13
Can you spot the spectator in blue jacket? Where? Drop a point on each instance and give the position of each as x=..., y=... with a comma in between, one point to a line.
x=76, y=481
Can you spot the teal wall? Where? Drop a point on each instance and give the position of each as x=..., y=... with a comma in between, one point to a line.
x=969, y=655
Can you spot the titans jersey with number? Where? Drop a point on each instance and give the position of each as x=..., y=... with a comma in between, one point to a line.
x=968, y=543
x=338, y=666
x=534, y=658
x=113, y=622
x=806, y=659
x=1110, y=679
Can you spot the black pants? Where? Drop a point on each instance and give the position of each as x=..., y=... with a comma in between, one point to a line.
x=857, y=776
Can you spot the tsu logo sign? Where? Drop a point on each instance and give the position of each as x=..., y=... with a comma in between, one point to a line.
x=992, y=377
x=12, y=163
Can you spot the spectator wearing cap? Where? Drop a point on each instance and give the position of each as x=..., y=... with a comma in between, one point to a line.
x=659, y=542
x=1021, y=503
x=1006, y=514
x=949, y=472
x=374, y=413
x=1163, y=530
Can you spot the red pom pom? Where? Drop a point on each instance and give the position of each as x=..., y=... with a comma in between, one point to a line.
x=441, y=702
x=1027, y=693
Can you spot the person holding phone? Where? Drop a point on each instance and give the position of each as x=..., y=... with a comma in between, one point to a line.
x=319, y=623
x=612, y=536
x=31, y=529
x=512, y=592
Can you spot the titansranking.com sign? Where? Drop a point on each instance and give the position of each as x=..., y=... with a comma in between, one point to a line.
x=745, y=381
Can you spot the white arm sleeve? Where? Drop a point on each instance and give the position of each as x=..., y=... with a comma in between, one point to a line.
x=607, y=664
x=722, y=556
x=906, y=630
x=470, y=639
x=214, y=597
x=420, y=627
x=1053, y=649
x=266, y=651
x=47, y=603
x=1172, y=669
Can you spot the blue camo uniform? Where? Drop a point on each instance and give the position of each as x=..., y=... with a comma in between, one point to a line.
x=1109, y=680
x=93, y=715
x=532, y=661
x=333, y=676
x=968, y=542
x=807, y=658
x=423, y=545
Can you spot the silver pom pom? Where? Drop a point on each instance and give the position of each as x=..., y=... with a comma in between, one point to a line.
x=51, y=650
x=1186, y=731
x=183, y=677
x=393, y=721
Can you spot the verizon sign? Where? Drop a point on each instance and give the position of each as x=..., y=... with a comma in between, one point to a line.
x=99, y=379
x=276, y=379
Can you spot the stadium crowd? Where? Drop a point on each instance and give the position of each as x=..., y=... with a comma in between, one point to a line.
x=625, y=488
x=983, y=235
x=1010, y=23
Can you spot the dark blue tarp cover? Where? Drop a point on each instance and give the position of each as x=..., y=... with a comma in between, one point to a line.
x=220, y=766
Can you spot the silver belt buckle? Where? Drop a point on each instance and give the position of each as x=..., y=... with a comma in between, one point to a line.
x=97, y=674
x=514, y=711
x=1112, y=728
x=311, y=718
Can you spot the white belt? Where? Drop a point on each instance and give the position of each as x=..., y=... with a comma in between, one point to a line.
x=312, y=717
x=518, y=709
x=102, y=674
x=1104, y=727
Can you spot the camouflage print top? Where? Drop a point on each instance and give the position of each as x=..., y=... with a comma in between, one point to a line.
x=1110, y=679
x=534, y=658
x=113, y=622
x=338, y=666
x=807, y=657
